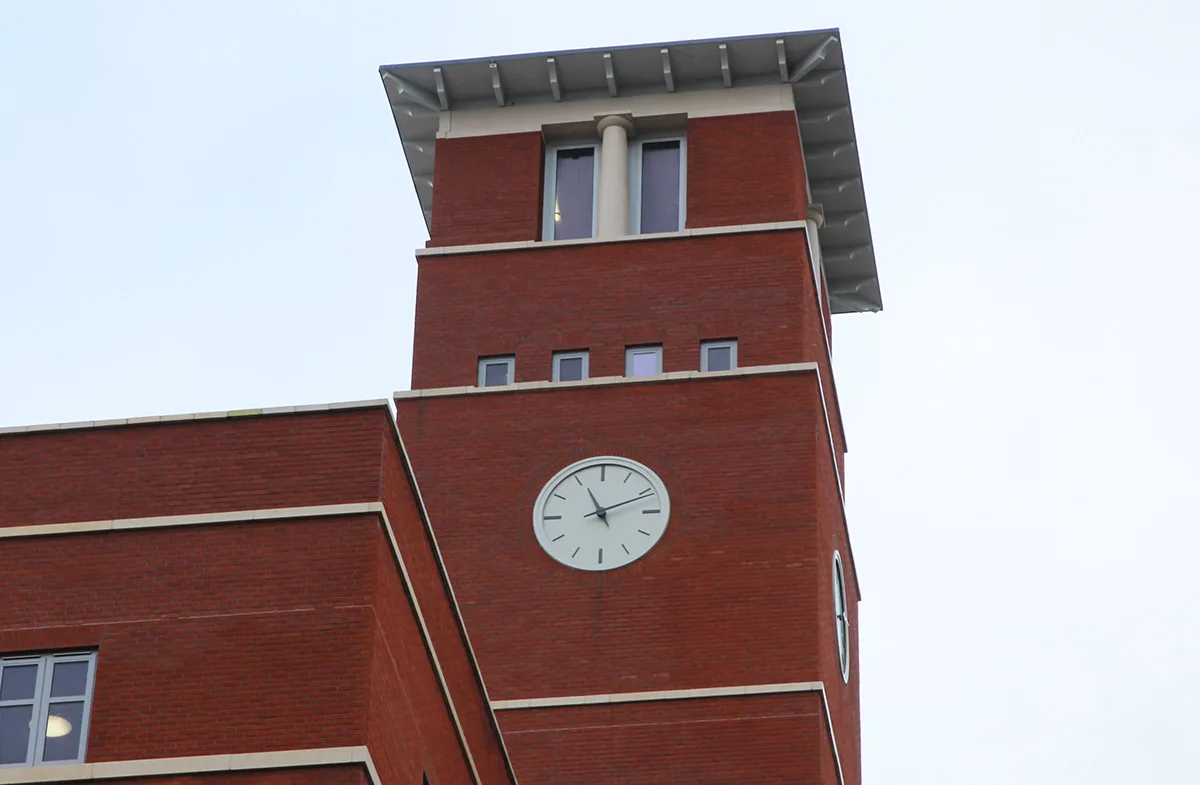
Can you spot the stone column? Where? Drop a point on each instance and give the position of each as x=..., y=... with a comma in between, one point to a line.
x=613, y=208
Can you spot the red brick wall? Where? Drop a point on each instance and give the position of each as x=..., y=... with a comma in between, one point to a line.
x=437, y=607
x=744, y=169
x=407, y=707
x=213, y=639
x=727, y=597
x=315, y=775
x=192, y=467
x=843, y=697
x=674, y=292
x=237, y=637
x=487, y=189
x=759, y=739
x=740, y=169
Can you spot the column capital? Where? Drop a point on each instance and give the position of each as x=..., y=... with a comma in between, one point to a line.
x=607, y=121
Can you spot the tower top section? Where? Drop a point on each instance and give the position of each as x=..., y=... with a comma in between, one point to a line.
x=561, y=93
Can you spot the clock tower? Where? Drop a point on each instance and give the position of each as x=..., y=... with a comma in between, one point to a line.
x=623, y=417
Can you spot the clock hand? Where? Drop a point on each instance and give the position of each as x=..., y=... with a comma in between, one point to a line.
x=602, y=511
x=599, y=513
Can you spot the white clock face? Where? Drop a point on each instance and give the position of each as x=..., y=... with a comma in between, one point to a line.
x=601, y=513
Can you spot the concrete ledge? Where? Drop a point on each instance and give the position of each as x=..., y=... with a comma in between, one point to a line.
x=705, y=231
x=200, y=519
x=199, y=764
x=660, y=695
x=169, y=418
x=603, y=381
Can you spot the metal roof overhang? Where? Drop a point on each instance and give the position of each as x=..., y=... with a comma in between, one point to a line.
x=810, y=61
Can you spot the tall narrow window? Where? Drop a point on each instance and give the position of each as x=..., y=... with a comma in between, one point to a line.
x=658, y=187
x=643, y=361
x=571, y=192
x=496, y=371
x=841, y=616
x=45, y=703
x=570, y=366
x=718, y=355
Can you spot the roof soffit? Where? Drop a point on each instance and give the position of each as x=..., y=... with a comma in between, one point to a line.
x=810, y=63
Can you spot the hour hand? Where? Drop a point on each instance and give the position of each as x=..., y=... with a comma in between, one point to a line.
x=599, y=510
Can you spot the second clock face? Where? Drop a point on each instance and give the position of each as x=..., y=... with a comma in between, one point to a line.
x=601, y=513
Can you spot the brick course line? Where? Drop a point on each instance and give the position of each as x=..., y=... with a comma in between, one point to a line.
x=199, y=764
x=522, y=245
x=660, y=695
x=169, y=418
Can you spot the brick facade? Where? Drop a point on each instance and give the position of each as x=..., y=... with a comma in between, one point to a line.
x=745, y=169
x=741, y=169
x=738, y=591
x=243, y=637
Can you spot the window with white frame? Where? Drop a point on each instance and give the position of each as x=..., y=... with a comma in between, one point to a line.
x=657, y=185
x=657, y=182
x=643, y=360
x=45, y=702
x=496, y=371
x=570, y=366
x=718, y=355
x=572, y=175
x=841, y=616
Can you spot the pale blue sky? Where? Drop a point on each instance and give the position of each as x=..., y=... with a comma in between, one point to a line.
x=205, y=206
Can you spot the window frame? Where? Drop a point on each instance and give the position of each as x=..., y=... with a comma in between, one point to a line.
x=550, y=182
x=558, y=357
x=509, y=359
x=635, y=179
x=841, y=621
x=41, y=703
x=630, y=351
x=730, y=343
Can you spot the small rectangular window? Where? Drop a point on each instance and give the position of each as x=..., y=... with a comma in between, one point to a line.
x=570, y=366
x=657, y=202
x=643, y=361
x=496, y=371
x=571, y=177
x=45, y=705
x=718, y=355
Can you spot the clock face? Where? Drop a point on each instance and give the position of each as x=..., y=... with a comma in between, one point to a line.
x=601, y=513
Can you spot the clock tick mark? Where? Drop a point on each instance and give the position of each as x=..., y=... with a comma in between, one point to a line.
x=600, y=560
x=573, y=554
x=644, y=512
x=623, y=546
x=578, y=480
x=644, y=532
x=559, y=537
x=551, y=517
x=564, y=498
x=627, y=476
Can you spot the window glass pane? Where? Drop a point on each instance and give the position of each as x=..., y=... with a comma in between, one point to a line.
x=573, y=180
x=18, y=683
x=495, y=374
x=570, y=369
x=63, y=726
x=70, y=679
x=645, y=363
x=14, y=733
x=720, y=358
x=660, y=187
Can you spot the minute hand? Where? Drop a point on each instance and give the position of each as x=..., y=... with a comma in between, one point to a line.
x=644, y=495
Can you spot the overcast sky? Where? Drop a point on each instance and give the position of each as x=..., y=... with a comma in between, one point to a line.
x=205, y=206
